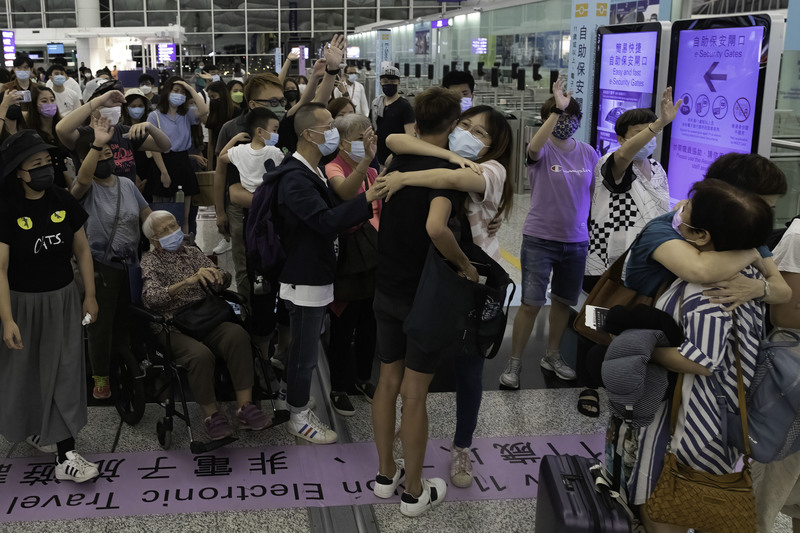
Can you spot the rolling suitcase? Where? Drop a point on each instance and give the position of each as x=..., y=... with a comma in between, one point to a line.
x=569, y=501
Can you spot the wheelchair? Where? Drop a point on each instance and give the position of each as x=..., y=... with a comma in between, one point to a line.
x=148, y=370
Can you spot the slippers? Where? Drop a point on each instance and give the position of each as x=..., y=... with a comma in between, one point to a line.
x=589, y=403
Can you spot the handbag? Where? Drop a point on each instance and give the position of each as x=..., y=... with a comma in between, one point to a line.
x=198, y=318
x=609, y=291
x=450, y=310
x=358, y=261
x=712, y=503
x=773, y=402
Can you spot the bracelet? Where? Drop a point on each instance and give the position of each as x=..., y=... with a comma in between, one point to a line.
x=98, y=148
x=651, y=129
x=558, y=111
x=333, y=72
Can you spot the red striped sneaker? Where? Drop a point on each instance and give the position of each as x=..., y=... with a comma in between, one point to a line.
x=307, y=426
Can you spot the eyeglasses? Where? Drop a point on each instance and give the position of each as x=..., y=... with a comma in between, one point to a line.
x=273, y=102
x=329, y=128
x=478, y=132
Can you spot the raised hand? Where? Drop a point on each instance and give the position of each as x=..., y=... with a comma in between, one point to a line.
x=561, y=97
x=103, y=131
x=334, y=51
x=668, y=110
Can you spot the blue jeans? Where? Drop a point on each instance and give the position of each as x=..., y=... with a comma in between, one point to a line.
x=305, y=324
x=566, y=261
x=469, y=391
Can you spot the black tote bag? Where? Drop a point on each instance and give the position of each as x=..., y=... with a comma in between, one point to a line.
x=450, y=310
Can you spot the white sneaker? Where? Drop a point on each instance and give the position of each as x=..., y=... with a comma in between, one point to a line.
x=76, y=469
x=223, y=246
x=460, y=467
x=509, y=379
x=307, y=426
x=433, y=493
x=35, y=441
x=385, y=486
x=554, y=363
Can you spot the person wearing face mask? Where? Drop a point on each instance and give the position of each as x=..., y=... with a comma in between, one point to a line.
x=23, y=74
x=390, y=113
x=44, y=121
x=350, y=174
x=291, y=93
x=302, y=83
x=135, y=112
x=116, y=209
x=175, y=117
x=555, y=237
x=462, y=83
x=311, y=216
x=355, y=91
x=149, y=89
x=630, y=187
x=481, y=146
x=174, y=275
x=42, y=371
x=260, y=155
x=236, y=91
x=66, y=89
x=11, y=111
x=106, y=102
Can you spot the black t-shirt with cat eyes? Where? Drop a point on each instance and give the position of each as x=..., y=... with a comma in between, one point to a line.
x=39, y=234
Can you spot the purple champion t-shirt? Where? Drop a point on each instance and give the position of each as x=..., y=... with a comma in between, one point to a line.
x=561, y=193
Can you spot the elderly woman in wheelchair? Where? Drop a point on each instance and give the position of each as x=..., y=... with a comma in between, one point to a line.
x=175, y=276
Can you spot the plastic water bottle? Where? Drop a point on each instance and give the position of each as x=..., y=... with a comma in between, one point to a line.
x=179, y=195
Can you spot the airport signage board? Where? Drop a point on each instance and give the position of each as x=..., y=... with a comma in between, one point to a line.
x=626, y=76
x=718, y=67
x=9, y=48
x=165, y=52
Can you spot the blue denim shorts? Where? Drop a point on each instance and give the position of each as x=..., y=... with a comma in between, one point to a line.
x=566, y=261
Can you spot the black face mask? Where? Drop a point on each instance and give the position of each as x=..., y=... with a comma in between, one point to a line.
x=389, y=89
x=292, y=96
x=41, y=177
x=14, y=112
x=104, y=169
x=215, y=104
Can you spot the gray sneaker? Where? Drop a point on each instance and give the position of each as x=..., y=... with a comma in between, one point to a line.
x=555, y=363
x=509, y=379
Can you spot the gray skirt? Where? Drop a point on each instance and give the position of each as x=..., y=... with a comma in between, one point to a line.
x=43, y=386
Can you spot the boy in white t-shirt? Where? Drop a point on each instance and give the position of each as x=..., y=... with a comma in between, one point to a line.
x=254, y=159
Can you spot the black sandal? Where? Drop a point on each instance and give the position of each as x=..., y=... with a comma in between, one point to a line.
x=589, y=403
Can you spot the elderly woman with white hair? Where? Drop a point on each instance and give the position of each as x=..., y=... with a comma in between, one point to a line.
x=350, y=174
x=175, y=275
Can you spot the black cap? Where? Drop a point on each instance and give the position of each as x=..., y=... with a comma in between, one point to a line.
x=110, y=85
x=19, y=147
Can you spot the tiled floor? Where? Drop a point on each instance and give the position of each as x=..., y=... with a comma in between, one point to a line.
x=544, y=406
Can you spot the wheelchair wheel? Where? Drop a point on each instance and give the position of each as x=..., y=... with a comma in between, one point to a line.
x=127, y=387
x=164, y=432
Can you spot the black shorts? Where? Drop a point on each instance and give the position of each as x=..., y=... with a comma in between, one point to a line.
x=393, y=345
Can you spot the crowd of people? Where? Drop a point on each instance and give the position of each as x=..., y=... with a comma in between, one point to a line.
x=83, y=160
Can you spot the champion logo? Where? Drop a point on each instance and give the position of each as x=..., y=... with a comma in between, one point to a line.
x=556, y=168
x=559, y=168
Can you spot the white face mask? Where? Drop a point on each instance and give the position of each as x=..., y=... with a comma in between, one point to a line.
x=111, y=113
x=145, y=89
x=301, y=87
x=646, y=150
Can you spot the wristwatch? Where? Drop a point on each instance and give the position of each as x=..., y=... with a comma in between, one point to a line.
x=333, y=72
x=98, y=148
x=558, y=111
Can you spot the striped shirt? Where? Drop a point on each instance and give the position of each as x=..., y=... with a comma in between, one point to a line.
x=697, y=441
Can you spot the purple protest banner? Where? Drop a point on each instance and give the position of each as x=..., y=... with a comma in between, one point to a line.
x=238, y=479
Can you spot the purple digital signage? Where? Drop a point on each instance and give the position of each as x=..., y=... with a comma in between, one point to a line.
x=166, y=52
x=626, y=80
x=716, y=74
x=9, y=48
x=480, y=45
